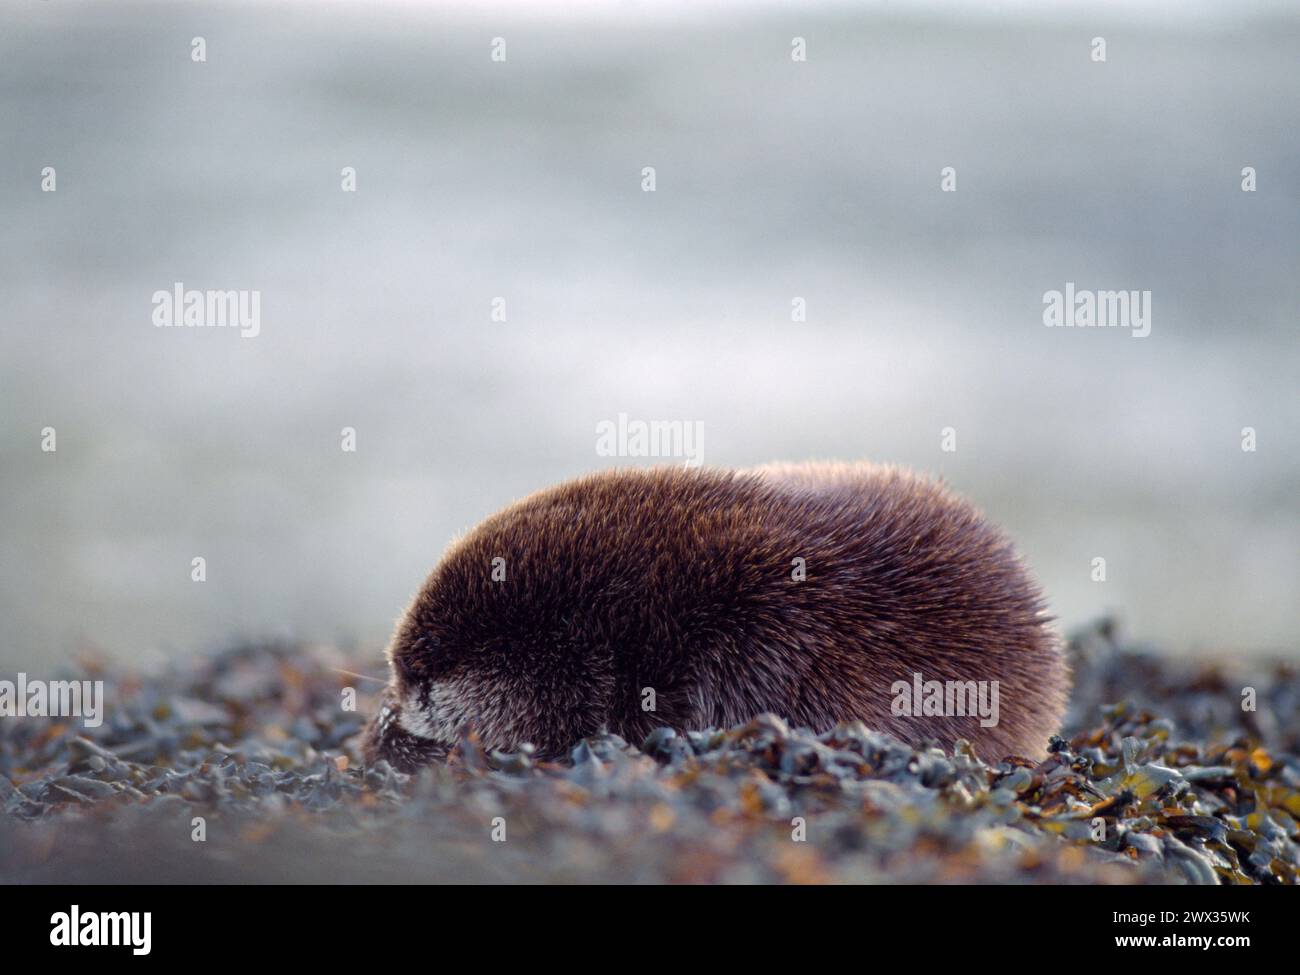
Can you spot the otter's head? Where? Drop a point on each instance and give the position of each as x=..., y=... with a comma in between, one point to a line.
x=405, y=731
x=512, y=635
x=449, y=673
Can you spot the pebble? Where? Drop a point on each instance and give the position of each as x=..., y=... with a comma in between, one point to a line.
x=1189, y=787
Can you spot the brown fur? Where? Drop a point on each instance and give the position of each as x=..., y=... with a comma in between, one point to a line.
x=680, y=581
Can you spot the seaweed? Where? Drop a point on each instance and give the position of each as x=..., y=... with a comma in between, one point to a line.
x=1160, y=776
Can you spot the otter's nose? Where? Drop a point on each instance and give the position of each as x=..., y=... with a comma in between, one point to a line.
x=386, y=739
x=375, y=743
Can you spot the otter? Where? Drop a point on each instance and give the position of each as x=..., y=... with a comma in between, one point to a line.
x=691, y=598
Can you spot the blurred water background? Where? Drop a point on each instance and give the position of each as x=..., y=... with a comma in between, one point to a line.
x=522, y=179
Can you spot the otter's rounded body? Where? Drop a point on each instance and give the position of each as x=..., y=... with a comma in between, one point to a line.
x=631, y=599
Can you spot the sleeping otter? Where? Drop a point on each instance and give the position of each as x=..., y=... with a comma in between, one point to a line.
x=630, y=599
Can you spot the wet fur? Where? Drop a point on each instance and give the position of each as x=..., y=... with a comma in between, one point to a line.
x=680, y=580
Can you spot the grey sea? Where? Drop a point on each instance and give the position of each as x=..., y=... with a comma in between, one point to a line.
x=523, y=180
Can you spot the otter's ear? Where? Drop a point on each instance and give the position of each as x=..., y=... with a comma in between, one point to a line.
x=414, y=660
x=405, y=668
